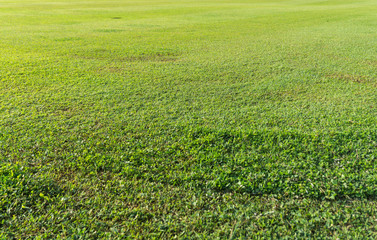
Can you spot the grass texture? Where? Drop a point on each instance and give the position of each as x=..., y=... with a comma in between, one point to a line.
x=247, y=119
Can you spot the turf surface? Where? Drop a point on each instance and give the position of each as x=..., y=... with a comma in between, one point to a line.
x=188, y=119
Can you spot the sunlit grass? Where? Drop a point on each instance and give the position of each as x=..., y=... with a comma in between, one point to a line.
x=210, y=119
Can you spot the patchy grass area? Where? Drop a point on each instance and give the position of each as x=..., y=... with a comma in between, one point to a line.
x=188, y=119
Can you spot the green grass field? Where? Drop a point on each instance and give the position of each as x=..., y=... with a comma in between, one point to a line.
x=213, y=119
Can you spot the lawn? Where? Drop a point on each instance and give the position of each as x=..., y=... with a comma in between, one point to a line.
x=224, y=119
